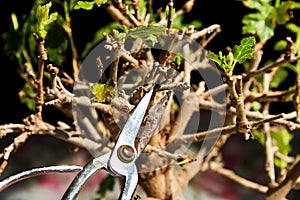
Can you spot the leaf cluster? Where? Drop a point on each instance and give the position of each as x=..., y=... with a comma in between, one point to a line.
x=239, y=54
x=267, y=16
x=44, y=18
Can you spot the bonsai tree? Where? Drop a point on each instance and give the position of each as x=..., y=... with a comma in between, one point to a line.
x=222, y=99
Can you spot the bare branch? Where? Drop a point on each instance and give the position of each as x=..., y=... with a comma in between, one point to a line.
x=240, y=180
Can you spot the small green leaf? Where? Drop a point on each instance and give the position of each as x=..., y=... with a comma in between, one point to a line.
x=87, y=5
x=175, y=107
x=256, y=106
x=259, y=135
x=196, y=23
x=15, y=22
x=167, y=11
x=282, y=140
x=244, y=51
x=214, y=57
x=178, y=59
x=293, y=28
x=103, y=92
x=280, y=45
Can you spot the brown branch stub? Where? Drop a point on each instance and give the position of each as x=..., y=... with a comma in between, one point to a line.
x=237, y=99
x=170, y=16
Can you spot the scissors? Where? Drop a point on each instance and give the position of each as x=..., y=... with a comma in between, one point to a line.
x=120, y=161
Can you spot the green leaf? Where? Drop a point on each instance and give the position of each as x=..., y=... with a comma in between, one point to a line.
x=244, y=51
x=196, y=23
x=293, y=28
x=214, y=57
x=282, y=140
x=222, y=61
x=44, y=19
x=178, y=59
x=282, y=12
x=264, y=21
x=103, y=92
x=14, y=20
x=106, y=185
x=256, y=106
x=260, y=22
x=280, y=45
x=167, y=9
x=148, y=34
x=87, y=5
x=279, y=77
x=259, y=135
x=240, y=53
x=175, y=107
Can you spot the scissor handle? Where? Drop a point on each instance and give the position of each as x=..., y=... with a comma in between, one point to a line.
x=84, y=175
x=131, y=182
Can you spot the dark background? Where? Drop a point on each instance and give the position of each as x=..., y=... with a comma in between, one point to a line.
x=227, y=13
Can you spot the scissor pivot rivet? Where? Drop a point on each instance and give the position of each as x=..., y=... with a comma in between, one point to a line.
x=126, y=153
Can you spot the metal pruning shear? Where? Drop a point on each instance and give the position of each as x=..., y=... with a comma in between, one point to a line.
x=121, y=160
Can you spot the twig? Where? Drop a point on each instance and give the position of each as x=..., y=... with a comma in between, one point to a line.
x=240, y=180
x=286, y=185
x=210, y=38
x=271, y=96
x=129, y=58
x=68, y=29
x=114, y=67
x=265, y=69
x=237, y=99
x=136, y=7
x=18, y=141
x=125, y=11
x=42, y=56
x=213, y=28
x=117, y=15
x=187, y=7
x=226, y=130
x=170, y=16
x=269, y=150
x=10, y=128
